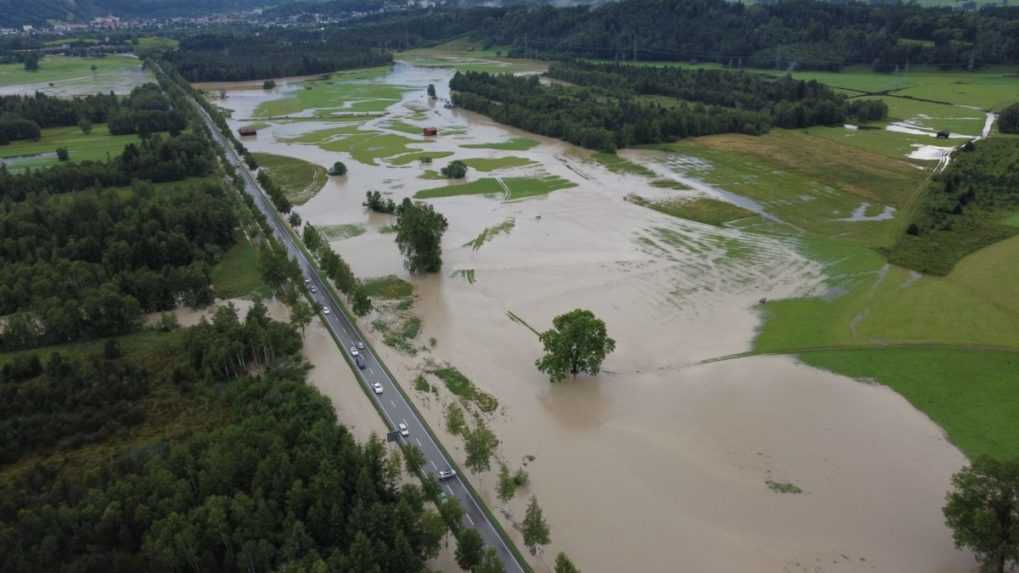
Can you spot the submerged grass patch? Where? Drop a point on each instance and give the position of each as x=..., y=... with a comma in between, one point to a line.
x=514, y=144
x=340, y=232
x=347, y=91
x=491, y=164
x=366, y=147
x=617, y=164
x=422, y=156
x=486, y=186
x=467, y=274
x=62, y=68
x=808, y=182
x=668, y=184
x=300, y=180
x=700, y=209
x=388, y=287
x=462, y=387
x=490, y=233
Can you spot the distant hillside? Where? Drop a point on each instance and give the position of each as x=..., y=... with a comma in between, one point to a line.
x=36, y=12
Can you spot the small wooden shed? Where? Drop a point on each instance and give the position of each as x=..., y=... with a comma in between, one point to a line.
x=247, y=130
x=430, y=131
x=943, y=134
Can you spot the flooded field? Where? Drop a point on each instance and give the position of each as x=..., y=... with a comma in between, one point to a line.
x=66, y=76
x=663, y=462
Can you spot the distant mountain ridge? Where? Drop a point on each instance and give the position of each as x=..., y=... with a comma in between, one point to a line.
x=15, y=13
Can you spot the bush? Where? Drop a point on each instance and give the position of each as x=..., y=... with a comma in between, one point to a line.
x=338, y=169
x=455, y=170
x=1008, y=121
x=63, y=154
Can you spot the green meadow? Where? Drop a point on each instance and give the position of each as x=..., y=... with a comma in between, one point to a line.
x=300, y=180
x=62, y=68
x=342, y=93
x=99, y=145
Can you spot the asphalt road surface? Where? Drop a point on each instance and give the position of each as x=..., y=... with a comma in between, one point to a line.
x=391, y=400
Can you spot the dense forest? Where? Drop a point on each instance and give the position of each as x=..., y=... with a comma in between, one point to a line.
x=791, y=103
x=785, y=34
x=964, y=208
x=263, y=480
x=89, y=265
x=609, y=106
x=144, y=111
x=155, y=158
x=228, y=57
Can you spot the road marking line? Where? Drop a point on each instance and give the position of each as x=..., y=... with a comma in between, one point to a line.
x=392, y=403
x=471, y=521
x=418, y=440
x=449, y=489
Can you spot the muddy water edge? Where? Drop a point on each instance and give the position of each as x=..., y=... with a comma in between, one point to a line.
x=659, y=463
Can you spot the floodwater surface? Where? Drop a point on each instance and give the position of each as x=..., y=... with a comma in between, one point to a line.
x=662, y=462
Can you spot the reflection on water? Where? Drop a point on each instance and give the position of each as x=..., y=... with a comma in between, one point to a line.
x=658, y=464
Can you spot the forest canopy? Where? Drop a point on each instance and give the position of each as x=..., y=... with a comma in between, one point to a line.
x=229, y=57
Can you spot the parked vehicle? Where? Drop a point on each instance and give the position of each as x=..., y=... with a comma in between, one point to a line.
x=377, y=388
x=403, y=430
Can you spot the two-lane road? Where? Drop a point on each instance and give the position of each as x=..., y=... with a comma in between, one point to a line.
x=391, y=401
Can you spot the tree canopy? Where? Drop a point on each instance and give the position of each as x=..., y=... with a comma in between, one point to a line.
x=1008, y=121
x=419, y=230
x=577, y=343
x=982, y=510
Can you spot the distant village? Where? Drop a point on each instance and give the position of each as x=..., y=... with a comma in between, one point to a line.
x=112, y=23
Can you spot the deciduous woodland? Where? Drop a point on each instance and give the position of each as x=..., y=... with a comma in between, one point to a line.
x=609, y=106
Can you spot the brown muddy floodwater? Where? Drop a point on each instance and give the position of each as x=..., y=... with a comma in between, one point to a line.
x=659, y=464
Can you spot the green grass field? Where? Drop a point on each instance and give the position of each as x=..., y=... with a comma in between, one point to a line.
x=510, y=188
x=617, y=164
x=702, y=209
x=418, y=156
x=299, y=179
x=809, y=182
x=99, y=145
x=344, y=92
x=237, y=274
x=486, y=186
x=63, y=68
x=342, y=231
x=467, y=56
x=389, y=287
x=492, y=164
x=514, y=144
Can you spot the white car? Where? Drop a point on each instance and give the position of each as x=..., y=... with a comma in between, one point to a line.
x=325, y=310
x=377, y=388
x=313, y=290
x=403, y=430
x=353, y=351
x=446, y=474
x=307, y=281
x=360, y=344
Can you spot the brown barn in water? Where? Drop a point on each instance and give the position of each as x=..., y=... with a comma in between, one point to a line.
x=430, y=131
x=247, y=130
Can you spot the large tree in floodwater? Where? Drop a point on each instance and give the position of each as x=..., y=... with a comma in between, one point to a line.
x=419, y=230
x=983, y=511
x=577, y=343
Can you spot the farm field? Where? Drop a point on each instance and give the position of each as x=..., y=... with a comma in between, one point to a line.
x=299, y=180
x=99, y=145
x=469, y=57
x=341, y=93
x=65, y=75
